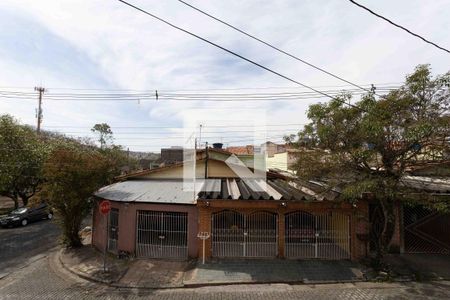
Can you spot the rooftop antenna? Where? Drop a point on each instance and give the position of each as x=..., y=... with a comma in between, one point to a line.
x=200, y=136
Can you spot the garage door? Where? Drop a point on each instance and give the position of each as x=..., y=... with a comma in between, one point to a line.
x=238, y=235
x=162, y=234
x=324, y=236
x=426, y=230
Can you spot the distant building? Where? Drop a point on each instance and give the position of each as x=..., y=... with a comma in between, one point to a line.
x=282, y=161
x=170, y=156
x=272, y=148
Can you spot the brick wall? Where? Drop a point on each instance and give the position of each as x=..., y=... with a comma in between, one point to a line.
x=127, y=224
x=199, y=219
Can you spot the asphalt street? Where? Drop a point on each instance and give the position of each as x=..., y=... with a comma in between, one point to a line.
x=19, y=245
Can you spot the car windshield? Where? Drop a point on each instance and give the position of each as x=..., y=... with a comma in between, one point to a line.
x=19, y=211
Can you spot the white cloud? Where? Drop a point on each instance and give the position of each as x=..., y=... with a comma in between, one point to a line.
x=126, y=49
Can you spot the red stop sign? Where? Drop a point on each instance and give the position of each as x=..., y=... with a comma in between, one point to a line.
x=105, y=207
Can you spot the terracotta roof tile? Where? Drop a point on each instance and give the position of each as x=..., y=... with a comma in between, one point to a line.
x=239, y=150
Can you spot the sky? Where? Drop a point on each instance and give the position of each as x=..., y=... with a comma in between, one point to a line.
x=98, y=46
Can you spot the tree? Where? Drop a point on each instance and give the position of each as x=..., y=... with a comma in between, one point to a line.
x=368, y=147
x=73, y=173
x=21, y=160
x=104, y=133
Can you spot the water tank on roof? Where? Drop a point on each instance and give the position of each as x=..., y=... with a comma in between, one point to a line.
x=217, y=145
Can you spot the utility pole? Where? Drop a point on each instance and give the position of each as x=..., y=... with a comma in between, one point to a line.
x=206, y=160
x=41, y=91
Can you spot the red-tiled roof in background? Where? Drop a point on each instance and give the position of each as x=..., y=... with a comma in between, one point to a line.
x=241, y=150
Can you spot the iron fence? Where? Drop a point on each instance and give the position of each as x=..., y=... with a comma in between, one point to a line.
x=238, y=235
x=162, y=234
x=325, y=236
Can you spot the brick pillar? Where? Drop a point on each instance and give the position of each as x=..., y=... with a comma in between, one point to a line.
x=281, y=233
x=127, y=228
x=204, y=225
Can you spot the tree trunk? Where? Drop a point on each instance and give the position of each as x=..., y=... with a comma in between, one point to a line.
x=72, y=224
x=25, y=199
x=387, y=232
x=16, y=201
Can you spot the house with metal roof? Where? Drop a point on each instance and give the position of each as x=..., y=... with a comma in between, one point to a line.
x=159, y=213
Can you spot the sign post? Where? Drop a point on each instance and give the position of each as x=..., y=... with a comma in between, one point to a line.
x=105, y=208
x=203, y=236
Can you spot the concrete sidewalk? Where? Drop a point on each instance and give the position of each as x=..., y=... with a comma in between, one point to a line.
x=87, y=263
x=273, y=271
x=423, y=266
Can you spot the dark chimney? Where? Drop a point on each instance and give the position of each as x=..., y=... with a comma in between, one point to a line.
x=217, y=145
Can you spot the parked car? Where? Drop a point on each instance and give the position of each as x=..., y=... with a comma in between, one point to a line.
x=24, y=215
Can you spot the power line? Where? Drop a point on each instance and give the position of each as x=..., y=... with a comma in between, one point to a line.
x=171, y=127
x=274, y=47
x=185, y=96
x=238, y=55
x=399, y=26
x=395, y=84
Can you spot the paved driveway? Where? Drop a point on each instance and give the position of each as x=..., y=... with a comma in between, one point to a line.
x=271, y=271
x=19, y=244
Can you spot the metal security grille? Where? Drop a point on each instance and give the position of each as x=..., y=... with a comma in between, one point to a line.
x=162, y=234
x=238, y=235
x=113, y=230
x=317, y=236
x=426, y=231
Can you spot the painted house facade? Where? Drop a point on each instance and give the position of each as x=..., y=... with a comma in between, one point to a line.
x=154, y=217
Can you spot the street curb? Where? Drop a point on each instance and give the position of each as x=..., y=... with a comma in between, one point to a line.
x=195, y=285
x=115, y=284
x=301, y=282
x=79, y=274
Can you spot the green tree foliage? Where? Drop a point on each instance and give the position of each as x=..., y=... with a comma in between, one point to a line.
x=73, y=173
x=104, y=132
x=22, y=155
x=116, y=154
x=370, y=148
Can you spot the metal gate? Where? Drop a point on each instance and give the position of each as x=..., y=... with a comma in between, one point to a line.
x=238, y=235
x=113, y=230
x=162, y=234
x=426, y=231
x=324, y=236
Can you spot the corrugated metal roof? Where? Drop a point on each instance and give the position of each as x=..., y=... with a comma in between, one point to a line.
x=156, y=191
x=439, y=185
x=276, y=189
x=171, y=191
